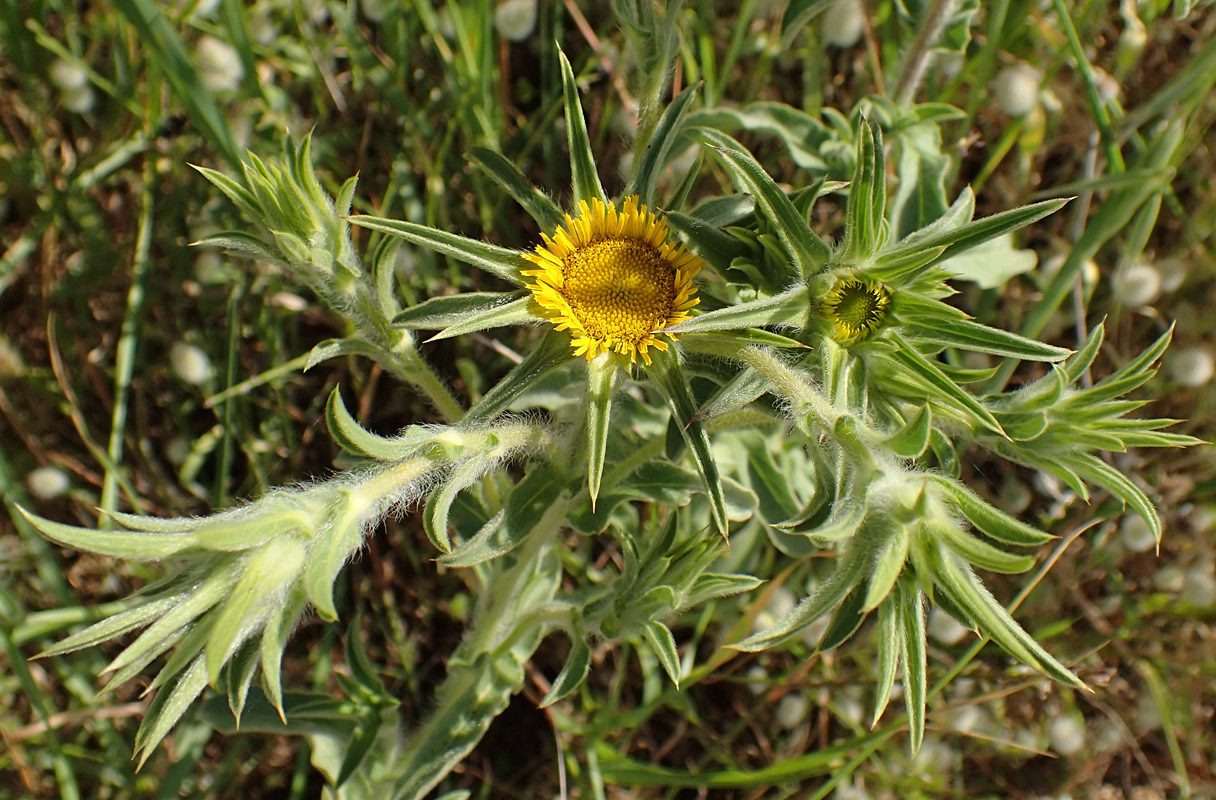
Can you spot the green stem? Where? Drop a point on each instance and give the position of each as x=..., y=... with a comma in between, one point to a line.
x=931, y=28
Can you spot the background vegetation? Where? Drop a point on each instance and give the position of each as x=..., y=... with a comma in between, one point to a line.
x=137, y=371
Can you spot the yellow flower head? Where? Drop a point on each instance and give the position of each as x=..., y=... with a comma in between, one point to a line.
x=613, y=280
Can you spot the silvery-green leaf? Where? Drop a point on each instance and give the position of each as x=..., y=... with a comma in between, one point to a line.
x=889, y=649
x=888, y=565
x=351, y=346
x=446, y=310
x=973, y=336
x=253, y=599
x=115, y=625
x=586, y=178
x=139, y=545
x=971, y=234
x=808, y=252
x=167, y=708
x=504, y=172
x=977, y=552
x=1098, y=472
x=646, y=168
x=659, y=637
x=499, y=261
x=601, y=374
x=865, y=226
x=913, y=653
x=707, y=241
x=675, y=386
x=354, y=438
x=535, y=502
x=845, y=621
x=711, y=585
x=334, y=544
x=547, y=354
x=988, y=518
x=238, y=677
x=912, y=439
x=241, y=244
x=518, y=312
x=790, y=308
x=727, y=344
x=908, y=357
x=574, y=672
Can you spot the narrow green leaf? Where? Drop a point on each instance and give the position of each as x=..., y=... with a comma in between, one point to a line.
x=114, y=626
x=964, y=237
x=586, y=180
x=790, y=308
x=908, y=357
x=601, y=373
x=978, y=338
x=827, y=595
x=242, y=244
x=988, y=518
x=538, y=205
x=659, y=637
x=727, y=344
x=675, y=386
x=707, y=241
x=957, y=580
x=138, y=522
x=574, y=672
x=915, y=658
x=1098, y=472
x=167, y=708
x=865, y=226
x=887, y=567
x=712, y=585
x=331, y=547
x=808, y=252
x=138, y=545
x=518, y=312
x=535, y=502
x=889, y=649
x=547, y=354
x=440, y=312
x=350, y=346
x=499, y=261
x=647, y=168
x=267, y=572
x=912, y=439
x=845, y=622
x=354, y=438
x=438, y=504
x=978, y=552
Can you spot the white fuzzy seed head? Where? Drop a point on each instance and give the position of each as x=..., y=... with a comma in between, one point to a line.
x=66, y=75
x=1017, y=89
x=1192, y=366
x=515, y=19
x=945, y=628
x=1136, y=535
x=1136, y=286
x=47, y=483
x=757, y=680
x=843, y=23
x=792, y=710
x=79, y=100
x=190, y=363
x=219, y=65
x=1199, y=586
x=1173, y=273
x=1067, y=735
x=375, y=10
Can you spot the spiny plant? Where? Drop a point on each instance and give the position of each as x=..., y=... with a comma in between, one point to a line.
x=831, y=368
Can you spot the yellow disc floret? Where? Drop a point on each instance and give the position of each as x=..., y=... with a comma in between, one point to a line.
x=613, y=280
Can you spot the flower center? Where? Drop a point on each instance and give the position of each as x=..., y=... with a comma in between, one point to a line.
x=619, y=289
x=856, y=308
